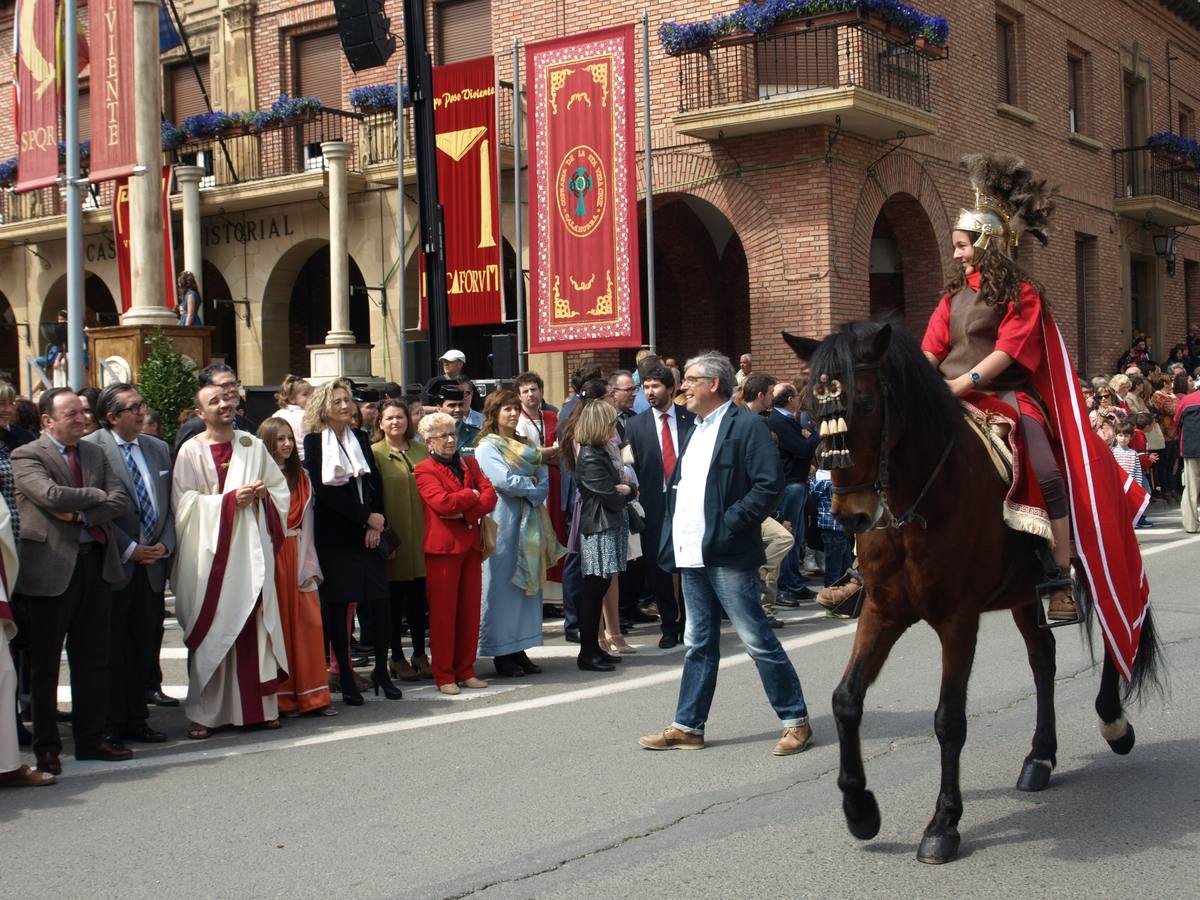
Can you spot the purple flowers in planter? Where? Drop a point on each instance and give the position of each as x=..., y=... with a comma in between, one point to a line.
x=759, y=18
x=207, y=124
x=8, y=171
x=376, y=98
x=1175, y=144
x=286, y=107
x=172, y=136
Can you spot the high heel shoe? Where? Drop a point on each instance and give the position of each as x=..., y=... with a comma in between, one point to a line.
x=617, y=643
x=381, y=682
x=351, y=695
x=402, y=669
x=596, y=664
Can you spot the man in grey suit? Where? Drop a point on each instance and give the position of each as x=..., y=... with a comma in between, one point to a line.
x=68, y=494
x=145, y=538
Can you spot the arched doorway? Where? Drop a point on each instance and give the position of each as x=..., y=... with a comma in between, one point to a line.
x=10, y=343
x=99, y=308
x=223, y=316
x=308, y=309
x=701, y=280
x=905, y=264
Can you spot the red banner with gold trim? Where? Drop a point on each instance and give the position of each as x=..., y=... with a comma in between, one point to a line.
x=114, y=150
x=37, y=90
x=583, y=224
x=464, y=117
x=120, y=219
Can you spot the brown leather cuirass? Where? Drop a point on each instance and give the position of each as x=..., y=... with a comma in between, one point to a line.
x=974, y=327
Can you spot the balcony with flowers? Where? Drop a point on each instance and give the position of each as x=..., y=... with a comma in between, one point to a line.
x=1159, y=182
x=783, y=64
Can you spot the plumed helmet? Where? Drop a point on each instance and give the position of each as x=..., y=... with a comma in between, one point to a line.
x=1009, y=201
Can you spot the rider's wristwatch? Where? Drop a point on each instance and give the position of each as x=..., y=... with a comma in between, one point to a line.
x=976, y=378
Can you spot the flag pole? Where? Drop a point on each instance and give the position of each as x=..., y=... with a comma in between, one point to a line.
x=651, y=315
x=522, y=360
x=76, y=371
x=400, y=224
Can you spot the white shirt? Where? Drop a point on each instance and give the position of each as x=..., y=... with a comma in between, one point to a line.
x=474, y=418
x=139, y=460
x=687, y=525
x=673, y=424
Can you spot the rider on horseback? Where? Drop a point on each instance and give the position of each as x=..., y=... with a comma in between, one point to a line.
x=986, y=339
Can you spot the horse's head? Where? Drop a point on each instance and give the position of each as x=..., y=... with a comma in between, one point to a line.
x=846, y=396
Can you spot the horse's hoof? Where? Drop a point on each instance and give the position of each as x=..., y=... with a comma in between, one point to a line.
x=936, y=849
x=1035, y=775
x=1123, y=745
x=862, y=816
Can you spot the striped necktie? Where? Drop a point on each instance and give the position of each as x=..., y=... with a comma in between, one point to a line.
x=145, y=507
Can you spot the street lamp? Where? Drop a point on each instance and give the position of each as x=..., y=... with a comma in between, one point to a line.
x=1164, y=248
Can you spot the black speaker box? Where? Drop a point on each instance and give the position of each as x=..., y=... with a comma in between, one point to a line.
x=418, y=366
x=364, y=30
x=504, y=356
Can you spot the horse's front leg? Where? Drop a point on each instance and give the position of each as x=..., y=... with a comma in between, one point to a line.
x=1039, y=644
x=877, y=634
x=941, y=839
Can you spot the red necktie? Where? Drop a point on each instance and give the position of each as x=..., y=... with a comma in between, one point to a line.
x=77, y=474
x=668, y=449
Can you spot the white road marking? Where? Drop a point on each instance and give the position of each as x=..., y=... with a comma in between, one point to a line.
x=1182, y=542
x=605, y=687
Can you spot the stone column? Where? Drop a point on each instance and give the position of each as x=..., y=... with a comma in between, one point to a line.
x=336, y=154
x=188, y=179
x=145, y=197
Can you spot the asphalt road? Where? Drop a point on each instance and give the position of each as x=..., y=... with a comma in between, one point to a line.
x=537, y=788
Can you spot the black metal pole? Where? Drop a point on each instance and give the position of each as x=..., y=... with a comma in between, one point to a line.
x=433, y=229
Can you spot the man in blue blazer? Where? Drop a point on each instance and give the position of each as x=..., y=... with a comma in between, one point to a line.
x=726, y=482
x=655, y=437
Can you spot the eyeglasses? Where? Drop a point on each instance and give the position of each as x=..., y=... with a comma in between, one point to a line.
x=441, y=437
x=132, y=407
x=694, y=379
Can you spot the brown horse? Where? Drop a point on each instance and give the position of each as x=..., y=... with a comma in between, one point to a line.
x=924, y=499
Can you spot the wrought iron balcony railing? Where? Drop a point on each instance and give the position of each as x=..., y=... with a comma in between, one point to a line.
x=1150, y=172
x=855, y=53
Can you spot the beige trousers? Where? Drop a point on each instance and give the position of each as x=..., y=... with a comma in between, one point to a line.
x=777, y=543
x=10, y=753
x=1191, y=495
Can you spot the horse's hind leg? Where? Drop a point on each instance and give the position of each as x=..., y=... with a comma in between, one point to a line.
x=940, y=841
x=872, y=643
x=1039, y=644
x=1114, y=727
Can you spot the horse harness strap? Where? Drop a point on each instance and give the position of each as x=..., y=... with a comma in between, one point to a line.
x=880, y=484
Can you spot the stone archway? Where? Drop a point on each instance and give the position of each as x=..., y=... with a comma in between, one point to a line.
x=10, y=342
x=99, y=308
x=308, y=309
x=905, y=269
x=701, y=279
x=223, y=317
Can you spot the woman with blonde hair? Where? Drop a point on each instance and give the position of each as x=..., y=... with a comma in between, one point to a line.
x=348, y=524
x=457, y=496
x=291, y=398
x=297, y=576
x=526, y=545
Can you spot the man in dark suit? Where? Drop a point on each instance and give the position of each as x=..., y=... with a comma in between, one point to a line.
x=726, y=482
x=655, y=437
x=225, y=378
x=797, y=440
x=145, y=537
x=68, y=495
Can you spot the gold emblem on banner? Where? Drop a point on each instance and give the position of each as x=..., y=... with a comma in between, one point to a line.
x=581, y=190
x=581, y=95
x=585, y=286
x=37, y=64
x=599, y=73
x=562, y=305
x=604, y=304
x=558, y=77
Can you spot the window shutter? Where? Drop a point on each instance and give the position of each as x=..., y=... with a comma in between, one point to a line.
x=464, y=30
x=186, y=97
x=319, y=69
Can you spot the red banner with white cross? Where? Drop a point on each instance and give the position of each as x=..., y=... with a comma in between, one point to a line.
x=583, y=253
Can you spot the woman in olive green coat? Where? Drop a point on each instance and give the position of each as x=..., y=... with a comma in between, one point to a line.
x=396, y=453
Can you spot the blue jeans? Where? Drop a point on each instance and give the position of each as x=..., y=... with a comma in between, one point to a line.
x=705, y=593
x=791, y=510
x=572, y=588
x=838, y=554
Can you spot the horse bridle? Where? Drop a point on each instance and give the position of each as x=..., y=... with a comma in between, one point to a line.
x=880, y=484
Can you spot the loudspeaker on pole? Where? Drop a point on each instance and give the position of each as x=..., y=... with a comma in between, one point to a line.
x=365, y=32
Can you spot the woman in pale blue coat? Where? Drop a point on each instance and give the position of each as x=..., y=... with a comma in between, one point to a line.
x=513, y=576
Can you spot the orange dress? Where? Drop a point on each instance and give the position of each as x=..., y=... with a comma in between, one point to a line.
x=306, y=688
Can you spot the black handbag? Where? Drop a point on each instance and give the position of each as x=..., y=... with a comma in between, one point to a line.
x=389, y=542
x=637, y=522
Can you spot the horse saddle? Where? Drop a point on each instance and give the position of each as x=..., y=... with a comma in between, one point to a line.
x=993, y=433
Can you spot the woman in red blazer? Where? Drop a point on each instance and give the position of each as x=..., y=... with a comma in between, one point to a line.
x=456, y=495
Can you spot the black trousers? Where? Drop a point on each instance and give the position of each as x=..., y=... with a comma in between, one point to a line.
x=80, y=616
x=410, y=611
x=661, y=586
x=135, y=629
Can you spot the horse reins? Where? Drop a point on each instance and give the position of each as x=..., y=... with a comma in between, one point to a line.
x=880, y=484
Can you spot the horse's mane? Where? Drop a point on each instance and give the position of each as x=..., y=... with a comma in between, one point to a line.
x=922, y=401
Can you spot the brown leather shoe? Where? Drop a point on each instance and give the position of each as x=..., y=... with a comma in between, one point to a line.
x=401, y=668
x=24, y=776
x=834, y=596
x=105, y=752
x=1061, y=607
x=671, y=738
x=421, y=664
x=794, y=740
x=49, y=761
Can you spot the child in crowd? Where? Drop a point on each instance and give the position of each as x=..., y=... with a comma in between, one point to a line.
x=1129, y=459
x=840, y=582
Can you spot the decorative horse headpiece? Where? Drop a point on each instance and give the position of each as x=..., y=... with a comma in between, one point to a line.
x=831, y=411
x=1008, y=202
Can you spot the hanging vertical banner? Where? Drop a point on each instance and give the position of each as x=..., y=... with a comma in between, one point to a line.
x=37, y=92
x=583, y=229
x=114, y=151
x=120, y=218
x=464, y=116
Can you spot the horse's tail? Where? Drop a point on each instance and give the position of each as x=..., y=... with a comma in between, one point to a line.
x=1148, y=676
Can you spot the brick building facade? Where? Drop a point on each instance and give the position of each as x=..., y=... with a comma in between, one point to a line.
x=785, y=195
